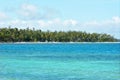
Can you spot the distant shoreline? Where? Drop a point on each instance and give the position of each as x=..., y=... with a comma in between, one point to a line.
x=52, y=42
x=13, y=35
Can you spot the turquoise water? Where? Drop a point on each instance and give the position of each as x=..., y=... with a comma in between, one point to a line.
x=60, y=61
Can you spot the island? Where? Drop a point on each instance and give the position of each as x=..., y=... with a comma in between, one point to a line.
x=32, y=35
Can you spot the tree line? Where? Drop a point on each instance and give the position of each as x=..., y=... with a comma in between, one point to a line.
x=32, y=35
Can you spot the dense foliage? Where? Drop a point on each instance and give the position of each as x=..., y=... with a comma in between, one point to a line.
x=28, y=35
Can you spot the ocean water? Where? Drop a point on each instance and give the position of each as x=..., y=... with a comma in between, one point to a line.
x=60, y=61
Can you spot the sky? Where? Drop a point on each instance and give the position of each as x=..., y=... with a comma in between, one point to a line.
x=101, y=16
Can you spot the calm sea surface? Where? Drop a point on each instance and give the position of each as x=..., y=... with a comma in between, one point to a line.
x=60, y=61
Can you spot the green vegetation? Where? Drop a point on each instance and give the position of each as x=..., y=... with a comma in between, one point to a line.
x=28, y=35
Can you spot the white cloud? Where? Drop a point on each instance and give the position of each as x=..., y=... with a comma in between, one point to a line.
x=91, y=23
x=70, y=22
x=114, y=21
x=15, y=22
x=58, y=22
x=28, y=10
x=31, y=8
x=3, y=16
x=42, y=23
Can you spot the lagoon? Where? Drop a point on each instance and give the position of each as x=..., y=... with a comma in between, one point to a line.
x=60, y=61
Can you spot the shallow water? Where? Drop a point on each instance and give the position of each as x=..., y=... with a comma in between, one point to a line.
x=60, y=61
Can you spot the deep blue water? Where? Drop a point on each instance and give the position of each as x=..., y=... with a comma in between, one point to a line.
x=60, y=61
